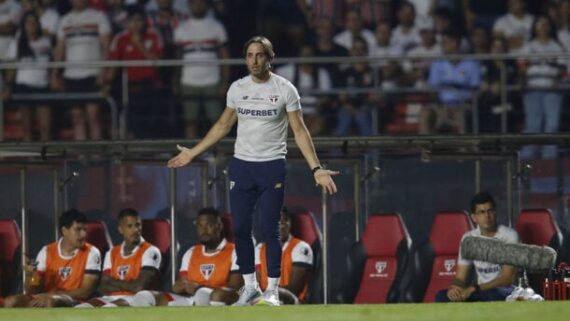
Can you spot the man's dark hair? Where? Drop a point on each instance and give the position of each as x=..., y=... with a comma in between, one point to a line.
x=482, y=198
x=453, y=35
x=72, y=215
x=209, y=211
x=127, y=212
x=285, y=212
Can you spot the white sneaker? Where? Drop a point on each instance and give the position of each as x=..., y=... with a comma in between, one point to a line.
x=269, y=297
x=248, y=296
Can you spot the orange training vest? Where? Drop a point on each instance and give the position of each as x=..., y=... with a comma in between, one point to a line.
x=126, y=269
x=64, y=274
x=286, y=267
x=210, y=271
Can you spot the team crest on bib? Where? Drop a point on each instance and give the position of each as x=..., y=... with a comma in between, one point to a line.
x=123, y=270
x=64, y=272
x=206, y=270
x=273, y=98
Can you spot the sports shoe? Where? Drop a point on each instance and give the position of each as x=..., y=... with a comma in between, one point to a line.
x=248, y=296
x=269, y=297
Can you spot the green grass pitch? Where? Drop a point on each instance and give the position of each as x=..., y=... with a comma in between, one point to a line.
x=519, y=311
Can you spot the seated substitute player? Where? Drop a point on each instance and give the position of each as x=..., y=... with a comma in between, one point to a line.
x=209, y=274
x=65, y=271
x=129, y=267
x=296, y=264
x=494, y=282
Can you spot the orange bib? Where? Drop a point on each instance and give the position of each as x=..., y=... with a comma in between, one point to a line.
x=211, y=271
x=64, y=274
x=286, y=267
x=127, y=268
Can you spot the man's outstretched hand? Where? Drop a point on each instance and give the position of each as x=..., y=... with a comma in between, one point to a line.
x=183, y=158
x=323, y=178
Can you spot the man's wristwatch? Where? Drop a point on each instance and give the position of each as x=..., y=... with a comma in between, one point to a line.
x=315, y=169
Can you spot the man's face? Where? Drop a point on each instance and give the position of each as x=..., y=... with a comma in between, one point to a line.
x=79, y=4
x=516, y=6
x=484, y=216
x=75, y=235
x=198, y=8
x=284, y=227
x=136, y=23
x=130, y=228
x=449, y=45
x=209, y=229
x=406, y=15
x=164, y=4
x=358, y=49
x=324, y=28
x=383, y=34
x=256, y=60
x=353, y=23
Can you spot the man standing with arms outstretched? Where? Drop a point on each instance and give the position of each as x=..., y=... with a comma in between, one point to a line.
x=263, y=104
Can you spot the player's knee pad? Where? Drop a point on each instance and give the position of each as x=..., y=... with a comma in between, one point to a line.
x=144, y=299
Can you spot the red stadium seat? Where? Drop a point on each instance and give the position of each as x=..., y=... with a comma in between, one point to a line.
x=385, y=245
x=98, y=235
x=538, y=227
x=11, y=241
x=436, y=261
x=157, y=232
x=228, y=230
x=304, y=227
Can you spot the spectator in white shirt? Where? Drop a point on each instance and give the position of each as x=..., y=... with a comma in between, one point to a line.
x=307, y=77
x=542, y=101
x=417, y=69
x=31, y=46
x=515, y=26
x=406, y=35
x=83, y=35
x=10, y=13
x=49, y=17
x=354, y=28
x=383, y=47
x=201, y=37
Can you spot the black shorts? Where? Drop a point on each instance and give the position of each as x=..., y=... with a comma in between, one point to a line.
x=81, y=86
x=27, y=90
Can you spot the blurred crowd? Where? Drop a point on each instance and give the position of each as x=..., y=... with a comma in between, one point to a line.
x=396, y=90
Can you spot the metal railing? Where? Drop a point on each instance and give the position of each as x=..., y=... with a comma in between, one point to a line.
x=119, y=122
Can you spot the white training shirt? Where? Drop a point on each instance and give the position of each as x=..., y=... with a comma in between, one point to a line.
x=150, y=258
x=486, y=272
x=261, y=110
x=345, y=39
x=509, y=26
x=301, y=253
x=200, y=39
x=405, y=40
x=81, y=32
x=93, y=259
x=33, y=77
x=10, y=11
x=188, y=255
